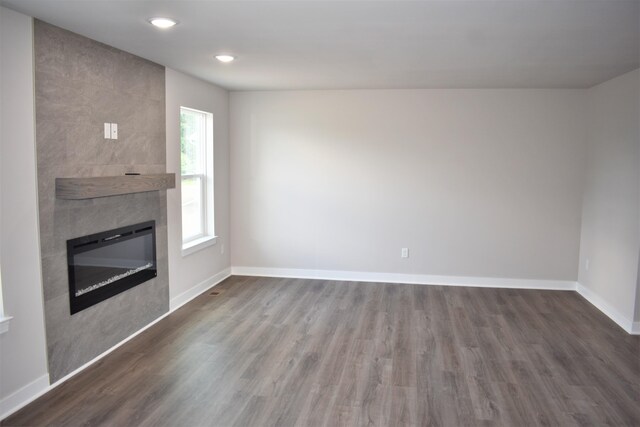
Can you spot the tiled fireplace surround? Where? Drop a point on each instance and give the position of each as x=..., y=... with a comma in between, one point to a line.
x=81, y=84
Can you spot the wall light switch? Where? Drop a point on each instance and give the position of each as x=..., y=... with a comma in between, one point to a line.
x=107, y=131
x=404, y=253
x=114, y=131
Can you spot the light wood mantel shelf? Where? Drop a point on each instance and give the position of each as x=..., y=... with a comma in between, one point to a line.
x=103, y=186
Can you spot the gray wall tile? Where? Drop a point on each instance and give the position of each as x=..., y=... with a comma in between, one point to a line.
x=80, y=84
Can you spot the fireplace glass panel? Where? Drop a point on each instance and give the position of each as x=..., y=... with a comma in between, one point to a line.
x=99, y=267
x=104, y=264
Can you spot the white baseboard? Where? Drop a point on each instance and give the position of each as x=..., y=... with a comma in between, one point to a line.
x=28, y=393
x=423, y=279
x=24, y=396
x=599, y=303
x=40, y=386
x=106, y=352
x=189, y=295
x=415, y=279
x=201, y=287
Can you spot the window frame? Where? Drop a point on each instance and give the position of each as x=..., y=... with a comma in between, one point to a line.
x=207, y=235
x=203, y=199
x=4, y=319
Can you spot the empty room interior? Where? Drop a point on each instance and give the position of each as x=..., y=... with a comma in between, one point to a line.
x=320, y=213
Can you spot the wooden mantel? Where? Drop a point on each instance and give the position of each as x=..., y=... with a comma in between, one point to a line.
x=103, y=186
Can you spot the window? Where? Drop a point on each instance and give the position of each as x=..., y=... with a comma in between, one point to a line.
x=196, y=167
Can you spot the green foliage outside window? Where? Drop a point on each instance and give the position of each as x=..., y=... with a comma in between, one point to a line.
x=190, y=128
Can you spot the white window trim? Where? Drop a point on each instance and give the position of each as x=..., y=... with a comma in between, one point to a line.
x=198, y=244
x=203, y=196
x=4, y=320
x=208, y=238
x=4, y=324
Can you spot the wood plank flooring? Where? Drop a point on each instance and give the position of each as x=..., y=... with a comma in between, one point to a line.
x=290, y=352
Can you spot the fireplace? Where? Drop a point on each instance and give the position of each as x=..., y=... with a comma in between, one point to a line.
x=105, y=264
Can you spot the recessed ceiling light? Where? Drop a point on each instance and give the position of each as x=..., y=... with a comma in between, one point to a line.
x=163, y=22
x=225, y=58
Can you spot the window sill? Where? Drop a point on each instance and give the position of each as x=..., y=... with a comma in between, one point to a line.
x=4, y=324
x=198, y=244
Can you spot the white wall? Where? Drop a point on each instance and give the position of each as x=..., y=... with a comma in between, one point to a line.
x=611, y=212
x=23, y=364
x=193, y=273
x=483, y=183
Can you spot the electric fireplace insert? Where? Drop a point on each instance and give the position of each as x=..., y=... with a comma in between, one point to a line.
x=105, y=264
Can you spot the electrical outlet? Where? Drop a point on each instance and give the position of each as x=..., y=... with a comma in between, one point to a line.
x=114, y=131
x=404, y=253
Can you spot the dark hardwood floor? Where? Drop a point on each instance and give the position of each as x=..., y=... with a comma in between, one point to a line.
x=284, y=352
